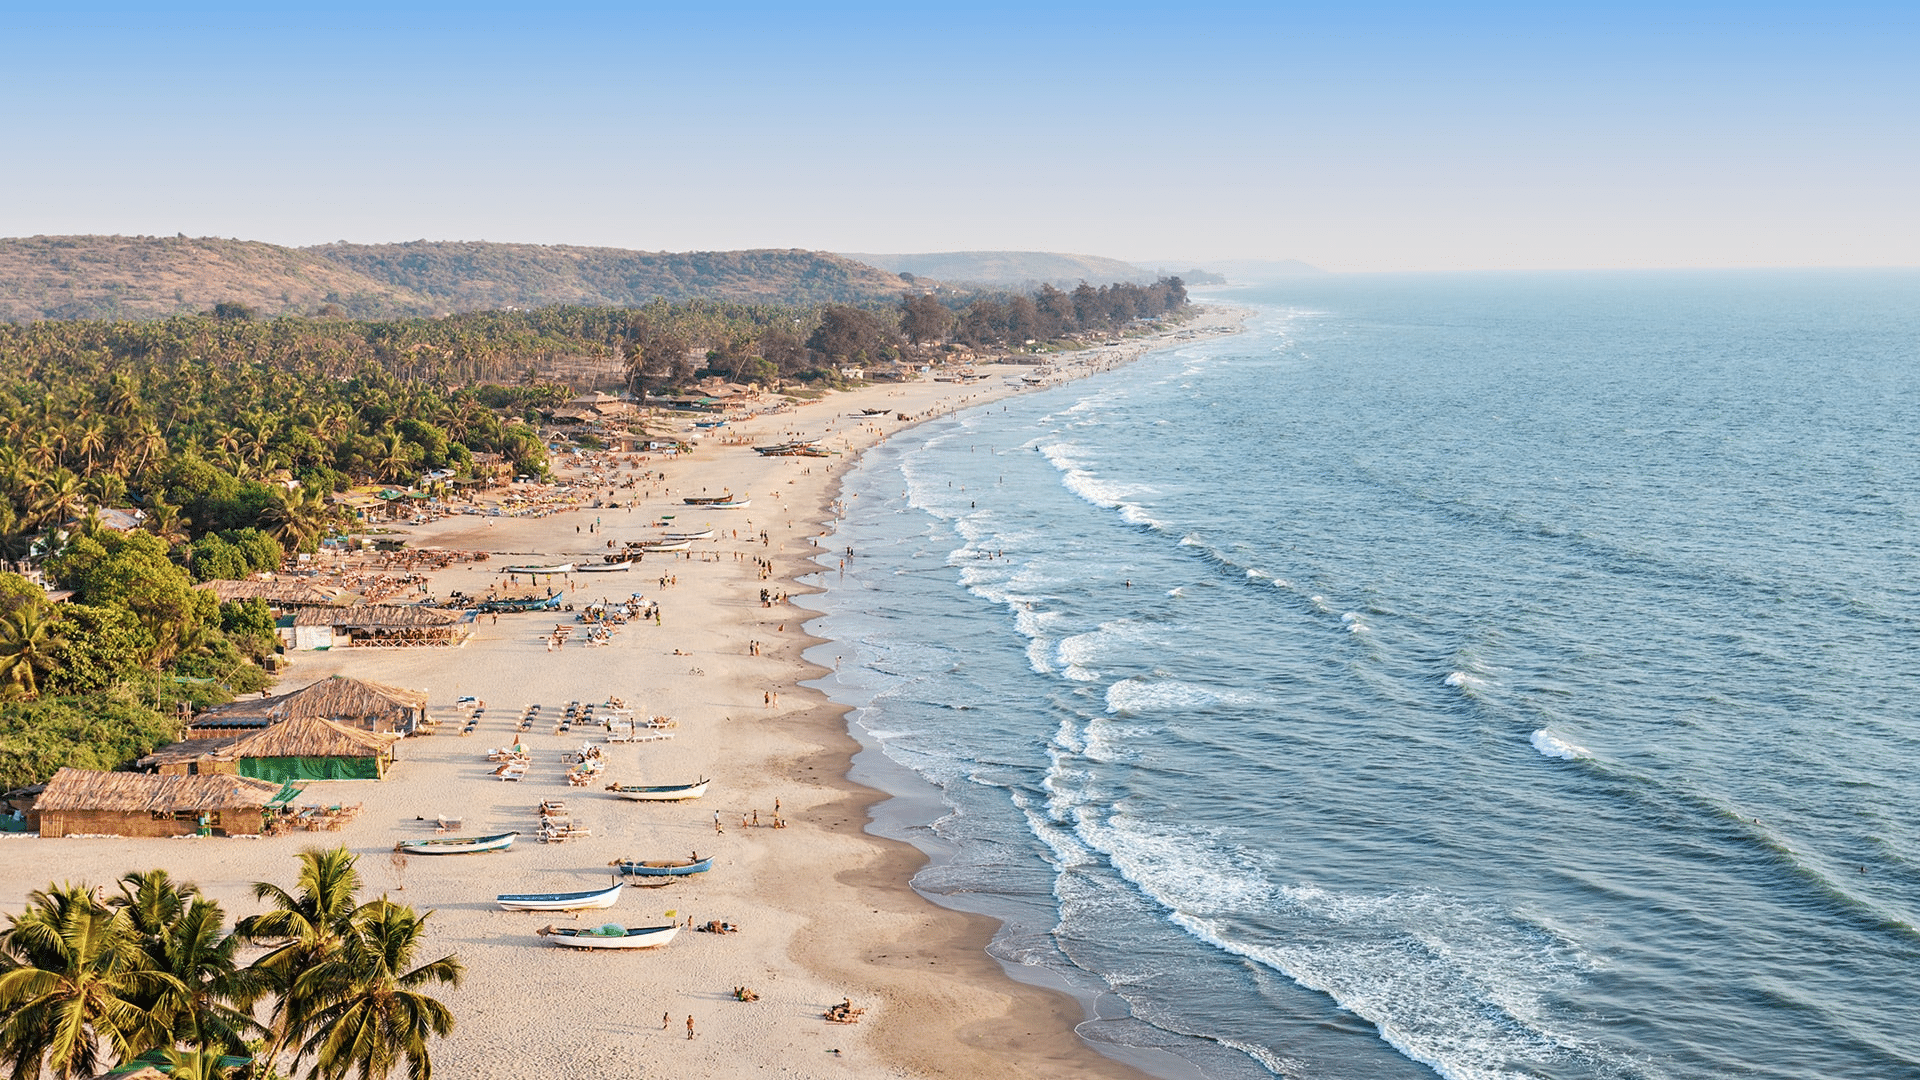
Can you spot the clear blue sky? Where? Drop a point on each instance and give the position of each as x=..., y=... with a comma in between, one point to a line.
x=1361, y=137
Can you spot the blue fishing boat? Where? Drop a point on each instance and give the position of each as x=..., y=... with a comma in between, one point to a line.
x=560, y=901
x=664, y=868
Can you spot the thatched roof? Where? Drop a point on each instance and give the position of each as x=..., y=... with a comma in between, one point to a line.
x=379, y=617
x=84, y=789
x=310, y=736
x=329, y=699
x=277, y=593
x=182, y=752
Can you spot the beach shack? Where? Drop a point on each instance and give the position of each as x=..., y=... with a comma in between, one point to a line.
x=375, y=626
x=82, y=802
x=304, y=748
x=356, y=703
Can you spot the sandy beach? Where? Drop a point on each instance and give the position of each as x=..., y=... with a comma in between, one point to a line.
x=824, y=909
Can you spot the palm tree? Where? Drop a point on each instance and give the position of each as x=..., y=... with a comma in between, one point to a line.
x=165, y=521
x=62, y=499
x=372, y=1013
x=73, y=968
x=305, y=926
x=28, y=638
x=185, y=936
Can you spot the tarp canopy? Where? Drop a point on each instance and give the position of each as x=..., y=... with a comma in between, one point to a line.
x=285, y=798
x=286, y=769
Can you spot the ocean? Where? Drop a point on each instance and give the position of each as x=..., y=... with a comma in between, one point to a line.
x=1476, y=676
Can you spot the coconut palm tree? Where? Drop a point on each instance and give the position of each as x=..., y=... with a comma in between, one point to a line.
x=185, y=936
x=28, y=638
x=74, y=968
x=372, y=1012
x=62, y=499
x=304, y=926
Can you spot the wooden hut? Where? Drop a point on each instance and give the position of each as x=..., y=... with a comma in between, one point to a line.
x=302, y=748
x=84, y=802
x=356, y=703
x=370, y=626
x=280, y=596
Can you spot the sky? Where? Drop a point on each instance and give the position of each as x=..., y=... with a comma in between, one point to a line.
x=1356, y=137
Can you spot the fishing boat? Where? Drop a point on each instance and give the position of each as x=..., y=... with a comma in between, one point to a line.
x=457, y=845
x=663, y=545
x=703, y=534
x=733, y=504
x=610, y=936
x=664, y=868
x=560, y=568
x=873, y=412
x=559, y=901
x=706, y=500
x=709, y=423
x=520, y=603
x=660, y=792
x=603, y=568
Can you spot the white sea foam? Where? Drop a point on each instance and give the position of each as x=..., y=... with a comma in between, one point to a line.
x=1553, y=746
x=1130, y=697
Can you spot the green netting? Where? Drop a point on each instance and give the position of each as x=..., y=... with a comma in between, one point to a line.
x=284, y=769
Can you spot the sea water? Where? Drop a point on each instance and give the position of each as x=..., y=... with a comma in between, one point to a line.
x=1482, y=676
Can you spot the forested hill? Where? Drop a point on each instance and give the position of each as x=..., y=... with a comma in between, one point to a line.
x=141, y=277
x=1011, y=269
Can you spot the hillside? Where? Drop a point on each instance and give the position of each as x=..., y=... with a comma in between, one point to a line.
x=1009, y=269
x=146, y=277
x=472, y=276
x=143, y=277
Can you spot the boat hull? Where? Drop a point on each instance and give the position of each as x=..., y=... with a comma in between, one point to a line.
x=465, y=845
x=637, y=937
x=575, y=901
x=663, y=868
x=602, y=568
x=672, y=793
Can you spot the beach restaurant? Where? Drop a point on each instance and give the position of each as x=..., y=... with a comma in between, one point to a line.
x=356, y=703
x=303, y=748
x=367, y=626
x=82, y=802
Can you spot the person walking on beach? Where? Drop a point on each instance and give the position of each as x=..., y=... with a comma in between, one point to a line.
x=716, y=822
x=689, y=1025
x=666, y=1020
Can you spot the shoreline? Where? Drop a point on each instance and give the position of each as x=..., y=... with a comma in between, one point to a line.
x=826, y=907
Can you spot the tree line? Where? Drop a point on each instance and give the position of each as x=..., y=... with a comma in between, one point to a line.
x=89, y=981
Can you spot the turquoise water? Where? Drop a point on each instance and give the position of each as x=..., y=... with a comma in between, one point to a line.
x=1485, y=676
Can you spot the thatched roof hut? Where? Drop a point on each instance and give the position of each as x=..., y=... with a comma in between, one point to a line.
x=355, y=702
x=302, y=748
x=377, y=626
x=81, y=801
x=279, y=595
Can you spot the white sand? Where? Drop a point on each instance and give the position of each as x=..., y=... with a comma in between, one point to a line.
x=824, y=908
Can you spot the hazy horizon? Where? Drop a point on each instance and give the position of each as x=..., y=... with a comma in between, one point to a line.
x=1384, y=138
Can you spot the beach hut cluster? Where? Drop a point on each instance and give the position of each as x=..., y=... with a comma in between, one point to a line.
x=304, y=748
x=357, y=703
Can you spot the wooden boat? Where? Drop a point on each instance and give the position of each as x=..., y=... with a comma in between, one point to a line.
x=457, y=845
x=873, y=412
x=521, y=603
x=735, y=504
x=660, y=792
x=603, y=568
x=558, y=568
x=651, y=546
x=663, y=868
x=610, y=936
x=703, y=534
x=559, y=901
x=706, y=500
x=709, y=423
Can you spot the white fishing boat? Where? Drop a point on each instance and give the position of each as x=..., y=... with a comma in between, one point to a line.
x=660, y=792
x=610, y=936
x=703, y=534
x=668, y=544
x=603, y=568
x=559, y=568
x=731, y=504
x=559, y=901
x=457, y=845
